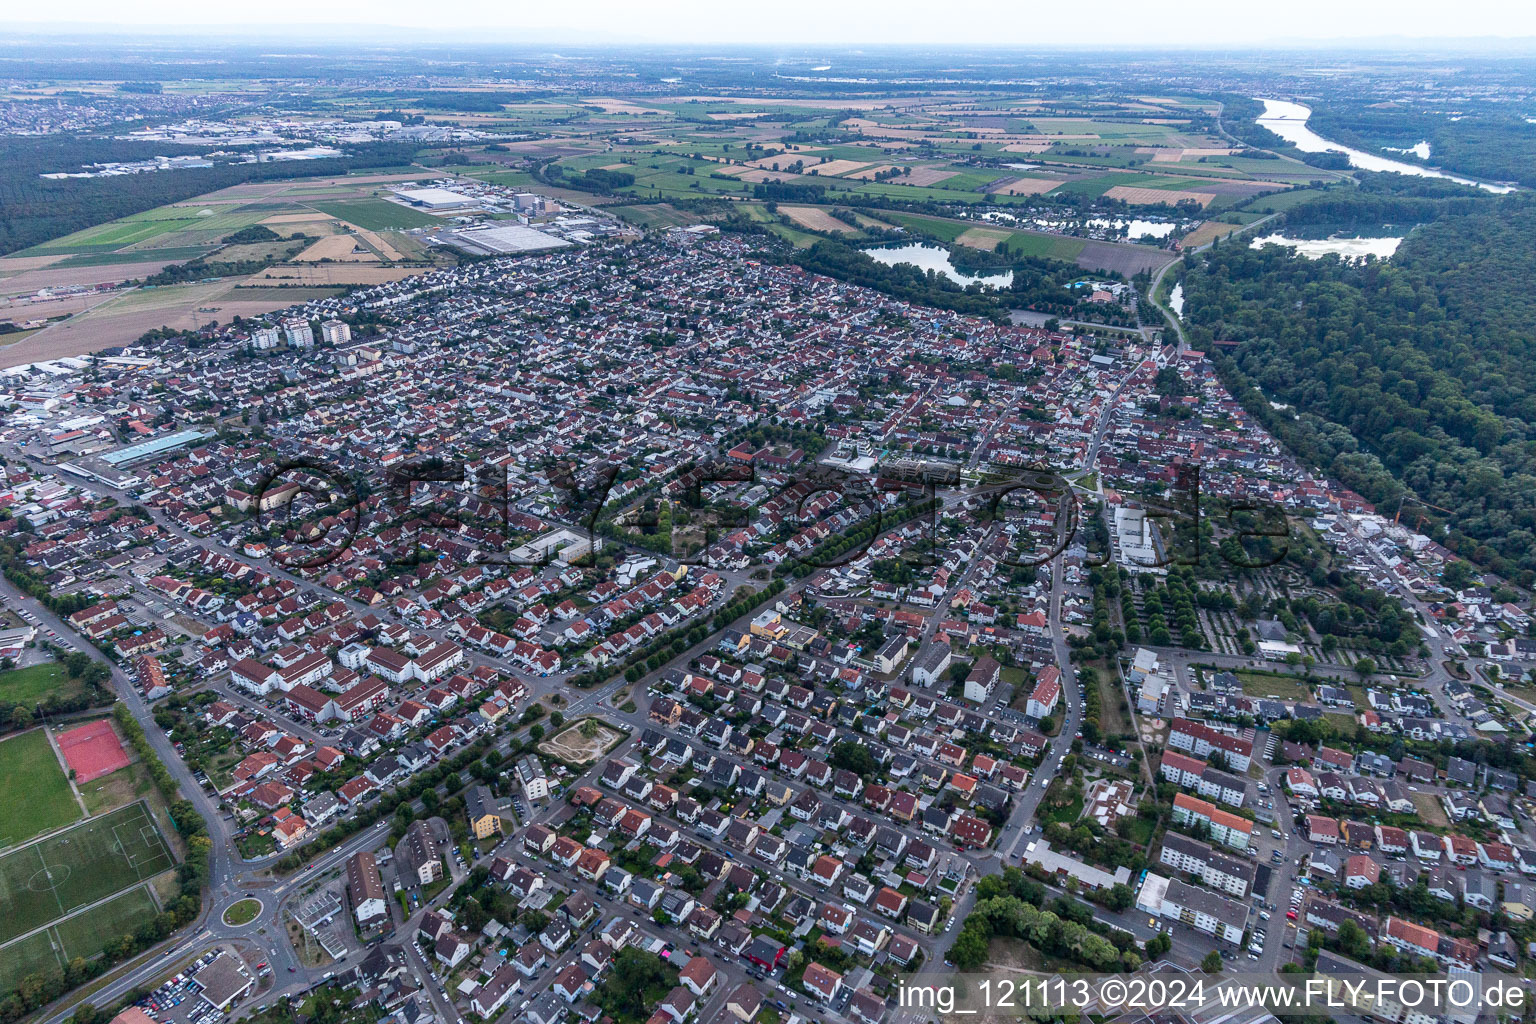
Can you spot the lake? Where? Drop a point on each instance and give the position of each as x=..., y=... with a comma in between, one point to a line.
x=1176, y=299
x=931, y=257
x=1095, y=227
x=1289, y=121
x=1349, y=248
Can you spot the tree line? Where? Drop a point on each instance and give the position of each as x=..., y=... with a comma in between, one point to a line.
x=1415, y=376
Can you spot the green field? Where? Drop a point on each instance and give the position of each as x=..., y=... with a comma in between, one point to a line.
x=1026, y=243
x=376, y=214
x=1282, y=201
x=31, y=684
x=31, y=955
x=36, y=797
x=175, y=253
x=243, y=912
x=196, y=224
x=84, y=935
x=89, y=933
x=1056, y=247
x=95, y=859
x=1259, y=684
x=934, y=227
x=655, y=215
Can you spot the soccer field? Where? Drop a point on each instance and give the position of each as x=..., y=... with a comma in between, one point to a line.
x=36, y=797
x=84, y=935
x=98, y=857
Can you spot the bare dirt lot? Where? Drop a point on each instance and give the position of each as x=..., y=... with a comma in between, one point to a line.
x=1209, y=231
x=17, y=264
x=840, y=166
x=808, y=157
x=297, y=218
x=29, y=281
x=336, y=247
x=382, y=247
x=1029, y=186
x=1124, y=259
x=1162, y=156
x=815, y=219
x=121, y=320
x=65, y=305
x=1138, y=196
x=574, y=748
x=926, y=176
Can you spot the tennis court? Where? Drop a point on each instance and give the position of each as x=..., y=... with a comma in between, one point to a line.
x=100, y=856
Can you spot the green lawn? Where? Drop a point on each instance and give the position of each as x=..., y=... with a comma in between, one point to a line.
x=1280, y=202
x=376, y=214
x=32, y=955
x=32, y=684
x=1258, y=684
x=185, y=222
x=794, y=236
x=243, y=912
x=36, y=795
x=85, y=935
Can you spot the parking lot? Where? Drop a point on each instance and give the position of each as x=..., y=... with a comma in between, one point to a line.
x=180, y=999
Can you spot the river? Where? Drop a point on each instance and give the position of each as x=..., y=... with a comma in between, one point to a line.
x=1289, y=121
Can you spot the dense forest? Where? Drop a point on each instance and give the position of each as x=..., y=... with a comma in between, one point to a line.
x=1417, y=372
x=34, y=210
x=1493, y=145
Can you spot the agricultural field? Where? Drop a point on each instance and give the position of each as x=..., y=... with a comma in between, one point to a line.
x=189, y=224
x=97, y=858
x=1261, y=684
x=927, y=155
x=37, y=798
x=341, y=221
x=655, y=215
x=817, y=219
x=376, y=214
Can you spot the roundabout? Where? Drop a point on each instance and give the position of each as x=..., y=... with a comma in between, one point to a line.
x=242, y=912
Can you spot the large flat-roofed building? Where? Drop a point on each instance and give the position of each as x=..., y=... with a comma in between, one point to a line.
x=223, y=981
x=564, y=546
x=1089, y=877
x=502, y=239
x=435, y=198
x=1135, y=539
x=154, y=446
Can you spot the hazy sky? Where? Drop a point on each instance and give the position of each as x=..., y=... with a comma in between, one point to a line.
x=836, y=22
